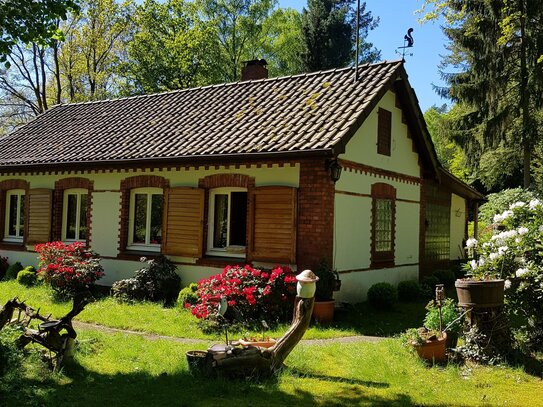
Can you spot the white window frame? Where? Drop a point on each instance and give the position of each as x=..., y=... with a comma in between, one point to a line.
x=147, y=246
x=78, y=192
x=228, y=251
x=21, y=194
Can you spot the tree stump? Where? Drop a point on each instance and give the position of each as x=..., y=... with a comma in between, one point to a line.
x=487, y=335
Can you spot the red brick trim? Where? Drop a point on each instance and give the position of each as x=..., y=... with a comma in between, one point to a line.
x=315, y=215
x=6, y=186
x=127, y=184
x=352, y=166
x=226, y=180
x=372, y=269
x=58, y=202
x=383, y=259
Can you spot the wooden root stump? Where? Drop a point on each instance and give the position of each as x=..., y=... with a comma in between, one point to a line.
x=487, y=330
x=257, y=361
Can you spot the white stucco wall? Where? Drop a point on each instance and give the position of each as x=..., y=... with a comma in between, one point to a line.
x=458, y=222
x=106, y=208
x=353, y=203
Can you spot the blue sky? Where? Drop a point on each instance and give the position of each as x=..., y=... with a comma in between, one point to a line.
x=396, y=17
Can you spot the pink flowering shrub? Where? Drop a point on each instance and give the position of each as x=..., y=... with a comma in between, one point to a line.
x=252, y=294
x=70, y=268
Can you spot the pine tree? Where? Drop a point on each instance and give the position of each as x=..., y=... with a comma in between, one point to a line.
x=328, y=34
x=496, y=47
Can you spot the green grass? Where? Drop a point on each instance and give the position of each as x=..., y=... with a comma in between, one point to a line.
x=360, y=319
x=119, y=369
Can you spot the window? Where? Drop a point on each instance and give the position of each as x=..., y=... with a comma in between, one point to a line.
x=384, y=132
x=383, y=225
x=145, y=227
x=74, y=215
x=15, y=216
x=227, y=234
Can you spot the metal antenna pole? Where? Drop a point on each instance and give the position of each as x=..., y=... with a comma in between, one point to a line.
x=357, y=41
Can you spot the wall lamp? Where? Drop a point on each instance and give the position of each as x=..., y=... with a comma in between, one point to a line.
x=335, y=169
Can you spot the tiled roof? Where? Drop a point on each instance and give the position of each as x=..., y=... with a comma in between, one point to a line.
x=289, y=114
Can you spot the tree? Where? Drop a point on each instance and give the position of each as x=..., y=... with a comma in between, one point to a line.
x=26, y=21
x=237, y=28
x=329, y=34
x=169, y=48
x=496, y=49
x=280, y=42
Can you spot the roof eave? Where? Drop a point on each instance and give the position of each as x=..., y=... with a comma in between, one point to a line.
x=190, y=160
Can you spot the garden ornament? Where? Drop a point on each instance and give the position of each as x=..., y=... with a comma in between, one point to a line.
x=235, y=361
x=57, y=336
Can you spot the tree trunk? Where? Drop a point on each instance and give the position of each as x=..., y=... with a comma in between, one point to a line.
x=524, y=102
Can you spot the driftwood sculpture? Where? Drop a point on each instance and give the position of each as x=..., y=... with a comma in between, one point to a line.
x=57, y=336
x=257, y=361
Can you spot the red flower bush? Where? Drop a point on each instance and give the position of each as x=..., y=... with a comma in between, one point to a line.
x=70, y=268
x=253, y=295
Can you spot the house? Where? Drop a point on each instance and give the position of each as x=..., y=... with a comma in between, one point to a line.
x=270, y=171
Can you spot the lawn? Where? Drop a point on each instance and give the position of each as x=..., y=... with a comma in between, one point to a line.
x=153, y=318
x=127, y=369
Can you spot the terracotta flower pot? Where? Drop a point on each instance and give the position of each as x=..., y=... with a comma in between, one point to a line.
x=323, y=311
x=479, y=294
x=434, y=350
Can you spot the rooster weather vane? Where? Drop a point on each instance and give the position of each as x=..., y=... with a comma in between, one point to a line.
x=408, y=42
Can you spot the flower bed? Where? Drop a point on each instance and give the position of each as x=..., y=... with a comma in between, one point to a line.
x=252, y=295
x=70, y=268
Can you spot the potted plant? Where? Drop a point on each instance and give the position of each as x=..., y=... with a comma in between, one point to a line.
x=451, y=320
x=429, y=344
x=323, y=310
x=483, y=286
x=261, y=340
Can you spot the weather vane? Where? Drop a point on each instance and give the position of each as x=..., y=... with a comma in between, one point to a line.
x=408, y=42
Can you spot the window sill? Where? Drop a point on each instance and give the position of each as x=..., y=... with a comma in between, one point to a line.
x=215, y=261
x=16, y=246
x=136, y=255
x=382, y=263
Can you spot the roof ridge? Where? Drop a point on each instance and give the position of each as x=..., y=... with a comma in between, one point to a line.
x=225, y=84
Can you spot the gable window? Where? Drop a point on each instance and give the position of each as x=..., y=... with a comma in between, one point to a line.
x=383, y=225
x=384, y=132
x=74, y=215
x=145, y=226
x=15, y=216
x=227, y=222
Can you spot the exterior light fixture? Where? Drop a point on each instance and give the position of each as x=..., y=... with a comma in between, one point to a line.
x=334, y=168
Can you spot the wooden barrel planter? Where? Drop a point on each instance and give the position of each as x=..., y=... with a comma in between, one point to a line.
x=433, y=350
x=479, y=294
x=196, y=360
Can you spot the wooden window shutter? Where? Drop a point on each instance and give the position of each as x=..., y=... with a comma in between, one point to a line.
x=272, y=217
x=183, y=222
x=384, y=132
x=40, y=208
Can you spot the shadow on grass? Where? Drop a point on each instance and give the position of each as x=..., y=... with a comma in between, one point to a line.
x=366, y=320
x=89, y=388
x=336, y=379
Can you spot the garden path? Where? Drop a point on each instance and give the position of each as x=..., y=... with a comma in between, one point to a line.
x=345, y=339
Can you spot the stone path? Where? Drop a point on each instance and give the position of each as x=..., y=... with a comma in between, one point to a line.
x=154, y=337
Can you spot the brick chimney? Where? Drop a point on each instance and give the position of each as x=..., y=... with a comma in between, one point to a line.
x=254, y=69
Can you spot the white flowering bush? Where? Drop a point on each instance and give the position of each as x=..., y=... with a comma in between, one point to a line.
x=514, y=252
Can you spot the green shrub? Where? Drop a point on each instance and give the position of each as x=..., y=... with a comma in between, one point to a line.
x=30, y=268
x=428, y=286
x=187, y=296
x=445, y=277
x=382, y=295
x=408, y=290
x=27, y=278
x=501, y=201
x=449, y=313
x=3, y=267
x=12, y=271
x=156, y=282
x=327, y=283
